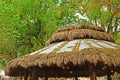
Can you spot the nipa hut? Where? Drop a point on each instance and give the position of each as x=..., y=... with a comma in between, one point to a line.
x=72, y=51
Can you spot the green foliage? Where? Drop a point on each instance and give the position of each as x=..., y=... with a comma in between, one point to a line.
x=3, y=63
x=104, y=18
x=117, y=37
x=23, y=27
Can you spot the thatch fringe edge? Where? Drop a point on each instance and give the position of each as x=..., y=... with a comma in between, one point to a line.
x=91, y=55
x=80, y=26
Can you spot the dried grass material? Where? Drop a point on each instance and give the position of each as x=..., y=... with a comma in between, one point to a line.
x=78, y=59
x=78, y=34
x=80, y=26
x=51, y=58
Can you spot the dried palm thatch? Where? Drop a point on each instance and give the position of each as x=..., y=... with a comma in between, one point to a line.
x=71, y=51
x=79, y=33
x=80, y=26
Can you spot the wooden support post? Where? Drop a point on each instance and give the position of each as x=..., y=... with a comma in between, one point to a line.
x=20, y=78
x=25, y=75
x=108, y=74
x=76, y=74
x=92, y=72
x=46, y=78
x=46, y=74
x=35, y=73
x=76, y=78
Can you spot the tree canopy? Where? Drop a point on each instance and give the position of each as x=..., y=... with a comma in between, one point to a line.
x=25, y=25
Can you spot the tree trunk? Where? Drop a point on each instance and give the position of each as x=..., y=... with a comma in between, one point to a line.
x=110, y=27
x=92, y=72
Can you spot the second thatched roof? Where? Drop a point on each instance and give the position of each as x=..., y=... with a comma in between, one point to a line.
x=79, y=32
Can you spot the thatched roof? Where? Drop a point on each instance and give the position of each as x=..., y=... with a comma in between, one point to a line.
x=71, y=49
x=79, y=32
